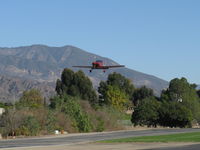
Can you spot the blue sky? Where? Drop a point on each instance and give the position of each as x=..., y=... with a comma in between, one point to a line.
x=158, y=37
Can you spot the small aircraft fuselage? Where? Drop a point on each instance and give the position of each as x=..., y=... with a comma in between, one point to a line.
x=98, y=64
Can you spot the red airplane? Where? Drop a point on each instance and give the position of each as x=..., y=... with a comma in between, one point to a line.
x=99, y=65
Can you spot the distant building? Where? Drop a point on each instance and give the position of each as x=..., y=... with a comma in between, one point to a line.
x=2, y=110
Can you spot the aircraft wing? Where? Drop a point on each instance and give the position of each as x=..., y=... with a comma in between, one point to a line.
x=82, y=66
x=116, y=66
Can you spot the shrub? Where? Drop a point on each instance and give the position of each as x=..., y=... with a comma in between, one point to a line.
x=11, y=120
x=31, y=99
x=30, y=126
x=100, y=125
x=73, y=109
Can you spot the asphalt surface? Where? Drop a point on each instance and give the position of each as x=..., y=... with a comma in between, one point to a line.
x=84, y=138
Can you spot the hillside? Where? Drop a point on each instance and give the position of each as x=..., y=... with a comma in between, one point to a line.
x=40, y=63
x=12, y=88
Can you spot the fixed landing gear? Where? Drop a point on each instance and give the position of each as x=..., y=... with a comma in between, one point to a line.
x=91, y=70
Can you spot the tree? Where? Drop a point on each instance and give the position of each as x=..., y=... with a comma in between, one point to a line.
x=179, y=89
x=58, y=101
x=174, y=114
x=64, y=85
x=117, y=98
x=118, y=81
x=59, y=89
x=31, y=98
x=198, y=93
x=102, y=89
x=146, y=112
x=141, y=93
x=76, y=84
x=124, y=84
x=183, y=92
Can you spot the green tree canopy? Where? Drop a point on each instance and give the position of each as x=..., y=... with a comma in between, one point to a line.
x=118, y=81
x=198, y=92
x=181, y=91
x=116, y=98
x=31, y=98
x=141, y=93
x=178, y=106
x=174, y=114
x=76, y=84
x=146, y=112
x=123, y=83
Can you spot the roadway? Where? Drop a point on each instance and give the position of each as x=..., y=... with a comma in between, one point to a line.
x=86, y=138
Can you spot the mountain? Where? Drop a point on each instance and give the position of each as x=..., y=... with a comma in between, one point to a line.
x=12, y=88
x=42, y=65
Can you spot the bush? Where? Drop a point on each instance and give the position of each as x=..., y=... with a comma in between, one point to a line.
x=50, y=122
x=100, y=125
x=70, y=106
x=110, y=117
x=30, y=126
x=11, y=120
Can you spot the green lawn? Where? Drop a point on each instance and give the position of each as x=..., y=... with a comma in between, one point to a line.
x=181, y=137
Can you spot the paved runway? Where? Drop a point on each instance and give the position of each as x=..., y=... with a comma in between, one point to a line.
x=81, y=138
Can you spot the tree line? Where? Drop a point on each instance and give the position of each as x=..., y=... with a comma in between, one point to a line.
x=78, y=107
x=177, y=106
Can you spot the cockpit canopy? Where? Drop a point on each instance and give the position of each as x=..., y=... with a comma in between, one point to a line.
x=99, y=61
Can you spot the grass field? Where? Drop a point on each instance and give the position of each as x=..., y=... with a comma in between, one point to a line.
x=181, y=137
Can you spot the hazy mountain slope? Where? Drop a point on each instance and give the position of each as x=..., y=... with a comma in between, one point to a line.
x=11, y=88
x=43, y=63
